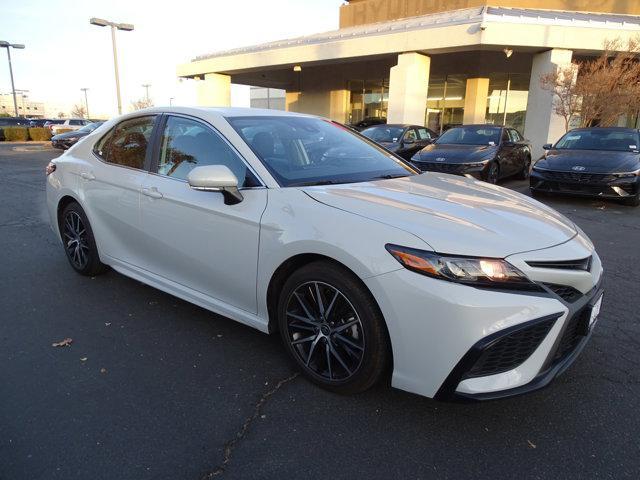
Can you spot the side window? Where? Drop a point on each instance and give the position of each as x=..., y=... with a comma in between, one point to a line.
x=76, y=122
x=424, y=134
x=505, y=135
x=410, y=135
x=514, y=135
x=127, y=143
x=187, y=144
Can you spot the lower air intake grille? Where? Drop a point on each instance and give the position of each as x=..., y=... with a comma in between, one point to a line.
x=510, y=351
x=576, y=329
x=567, y=293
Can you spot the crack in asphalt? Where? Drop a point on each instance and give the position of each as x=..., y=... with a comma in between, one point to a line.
x=233, y=443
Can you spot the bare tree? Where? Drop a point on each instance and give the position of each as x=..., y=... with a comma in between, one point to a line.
x=61, y=114
x=562, y=83
x=141, y=103
x=601, y=90
x=78, y=111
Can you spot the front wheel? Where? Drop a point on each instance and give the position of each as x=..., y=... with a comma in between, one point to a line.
x=493, y=173
x=78, y=241
x=333, y=329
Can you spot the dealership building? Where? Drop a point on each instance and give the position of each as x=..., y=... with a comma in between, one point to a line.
x=430, y=62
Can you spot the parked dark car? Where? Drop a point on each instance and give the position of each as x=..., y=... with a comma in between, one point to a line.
x=595, y=162
x=37, y=122
x=11, y=122
x=403, y=140
x=68, y=139
x=368, y=122
x=485, y=152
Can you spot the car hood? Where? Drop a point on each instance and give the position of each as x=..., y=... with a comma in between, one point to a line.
x=66, y=135
x=455, y=153
x=593, y=161
x=452, y=214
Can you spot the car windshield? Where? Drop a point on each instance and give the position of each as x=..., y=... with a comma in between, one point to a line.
x=383, y=133
x=599, y=139
x=479, y=135
x=310, y=151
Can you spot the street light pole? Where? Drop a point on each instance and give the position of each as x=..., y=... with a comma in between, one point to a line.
x=8, y=46
x=146, y=87
x=120, y=26
x=86, y=102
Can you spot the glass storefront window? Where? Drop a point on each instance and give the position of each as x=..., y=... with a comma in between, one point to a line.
x=368, y=98
x=507, y=100
x=445, y=101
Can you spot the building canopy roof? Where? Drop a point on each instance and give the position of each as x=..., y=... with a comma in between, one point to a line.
x=517, y=27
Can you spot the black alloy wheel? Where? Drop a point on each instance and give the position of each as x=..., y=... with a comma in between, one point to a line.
x=493, y=173
x=79, y=244
x=332, y=328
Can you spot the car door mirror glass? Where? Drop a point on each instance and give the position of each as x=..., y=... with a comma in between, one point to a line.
x=217, y=178
x=546, y=146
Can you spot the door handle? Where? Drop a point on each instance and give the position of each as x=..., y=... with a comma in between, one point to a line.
x=152, y=192
x=88, y=176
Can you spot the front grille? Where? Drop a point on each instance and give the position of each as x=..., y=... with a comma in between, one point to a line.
x=579, y=177
x=440, y=167
x=511, y=350
x=577, y=328
x=567, y=293
x=579, y=264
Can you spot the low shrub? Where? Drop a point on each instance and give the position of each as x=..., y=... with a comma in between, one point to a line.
x=16, y=134
x=39, y=134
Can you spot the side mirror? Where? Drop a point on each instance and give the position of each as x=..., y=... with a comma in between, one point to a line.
x=216, y=178
x=409, y=141
x=508, y=144
x=547, y=146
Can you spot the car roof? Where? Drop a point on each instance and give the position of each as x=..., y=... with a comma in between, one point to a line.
x=484, y=125
x=612, y=129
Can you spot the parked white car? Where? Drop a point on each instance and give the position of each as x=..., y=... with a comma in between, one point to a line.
x=69, y=124
x=292, y=223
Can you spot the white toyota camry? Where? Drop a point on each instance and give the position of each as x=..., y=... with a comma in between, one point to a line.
x=292, y=223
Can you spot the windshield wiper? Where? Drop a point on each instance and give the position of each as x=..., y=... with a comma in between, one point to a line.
x=390, y=176
x=311, y=184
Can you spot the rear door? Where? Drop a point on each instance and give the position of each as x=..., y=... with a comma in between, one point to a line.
x=192, y=237
x=110, y=186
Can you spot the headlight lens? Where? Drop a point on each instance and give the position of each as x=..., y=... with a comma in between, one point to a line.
x=480, y=272
x=628, y=174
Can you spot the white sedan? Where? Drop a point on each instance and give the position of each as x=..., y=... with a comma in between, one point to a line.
x=292, y=223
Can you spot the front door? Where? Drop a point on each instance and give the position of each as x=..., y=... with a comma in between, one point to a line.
x=192, y=237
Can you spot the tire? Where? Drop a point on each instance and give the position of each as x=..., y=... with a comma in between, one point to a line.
x=526, y=170
x=347, y=349
x=632, y=201
x=79, y=243
x=493, y=173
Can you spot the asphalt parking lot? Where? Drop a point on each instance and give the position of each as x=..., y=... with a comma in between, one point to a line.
x=155, y=388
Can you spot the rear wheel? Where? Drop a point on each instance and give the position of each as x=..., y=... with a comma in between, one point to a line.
x=526, y=169
x=332, y=328
x=78, y=241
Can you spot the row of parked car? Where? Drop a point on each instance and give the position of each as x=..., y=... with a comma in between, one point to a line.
x=53, y=124
x=596, y=162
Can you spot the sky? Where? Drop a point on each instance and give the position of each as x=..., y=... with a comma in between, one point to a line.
x=64, y=53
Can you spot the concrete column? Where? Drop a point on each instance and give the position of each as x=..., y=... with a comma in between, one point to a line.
x=542, y=125
x=408, y=85
x=475, y=100
x=325, y=103
x=214, y=90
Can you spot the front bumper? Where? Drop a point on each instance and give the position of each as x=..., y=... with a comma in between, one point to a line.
x=440, y=330
x=474, y=170
x=584, y=184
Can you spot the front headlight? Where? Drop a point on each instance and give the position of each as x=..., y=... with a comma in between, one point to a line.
x=628, y=174
x=481, y=163
x=479, y=272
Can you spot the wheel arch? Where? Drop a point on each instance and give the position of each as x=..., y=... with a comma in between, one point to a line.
x=62, y=204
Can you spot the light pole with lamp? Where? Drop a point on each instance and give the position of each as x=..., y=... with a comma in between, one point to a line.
x=9, y=46
x=86, y=102
x=127, y=27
